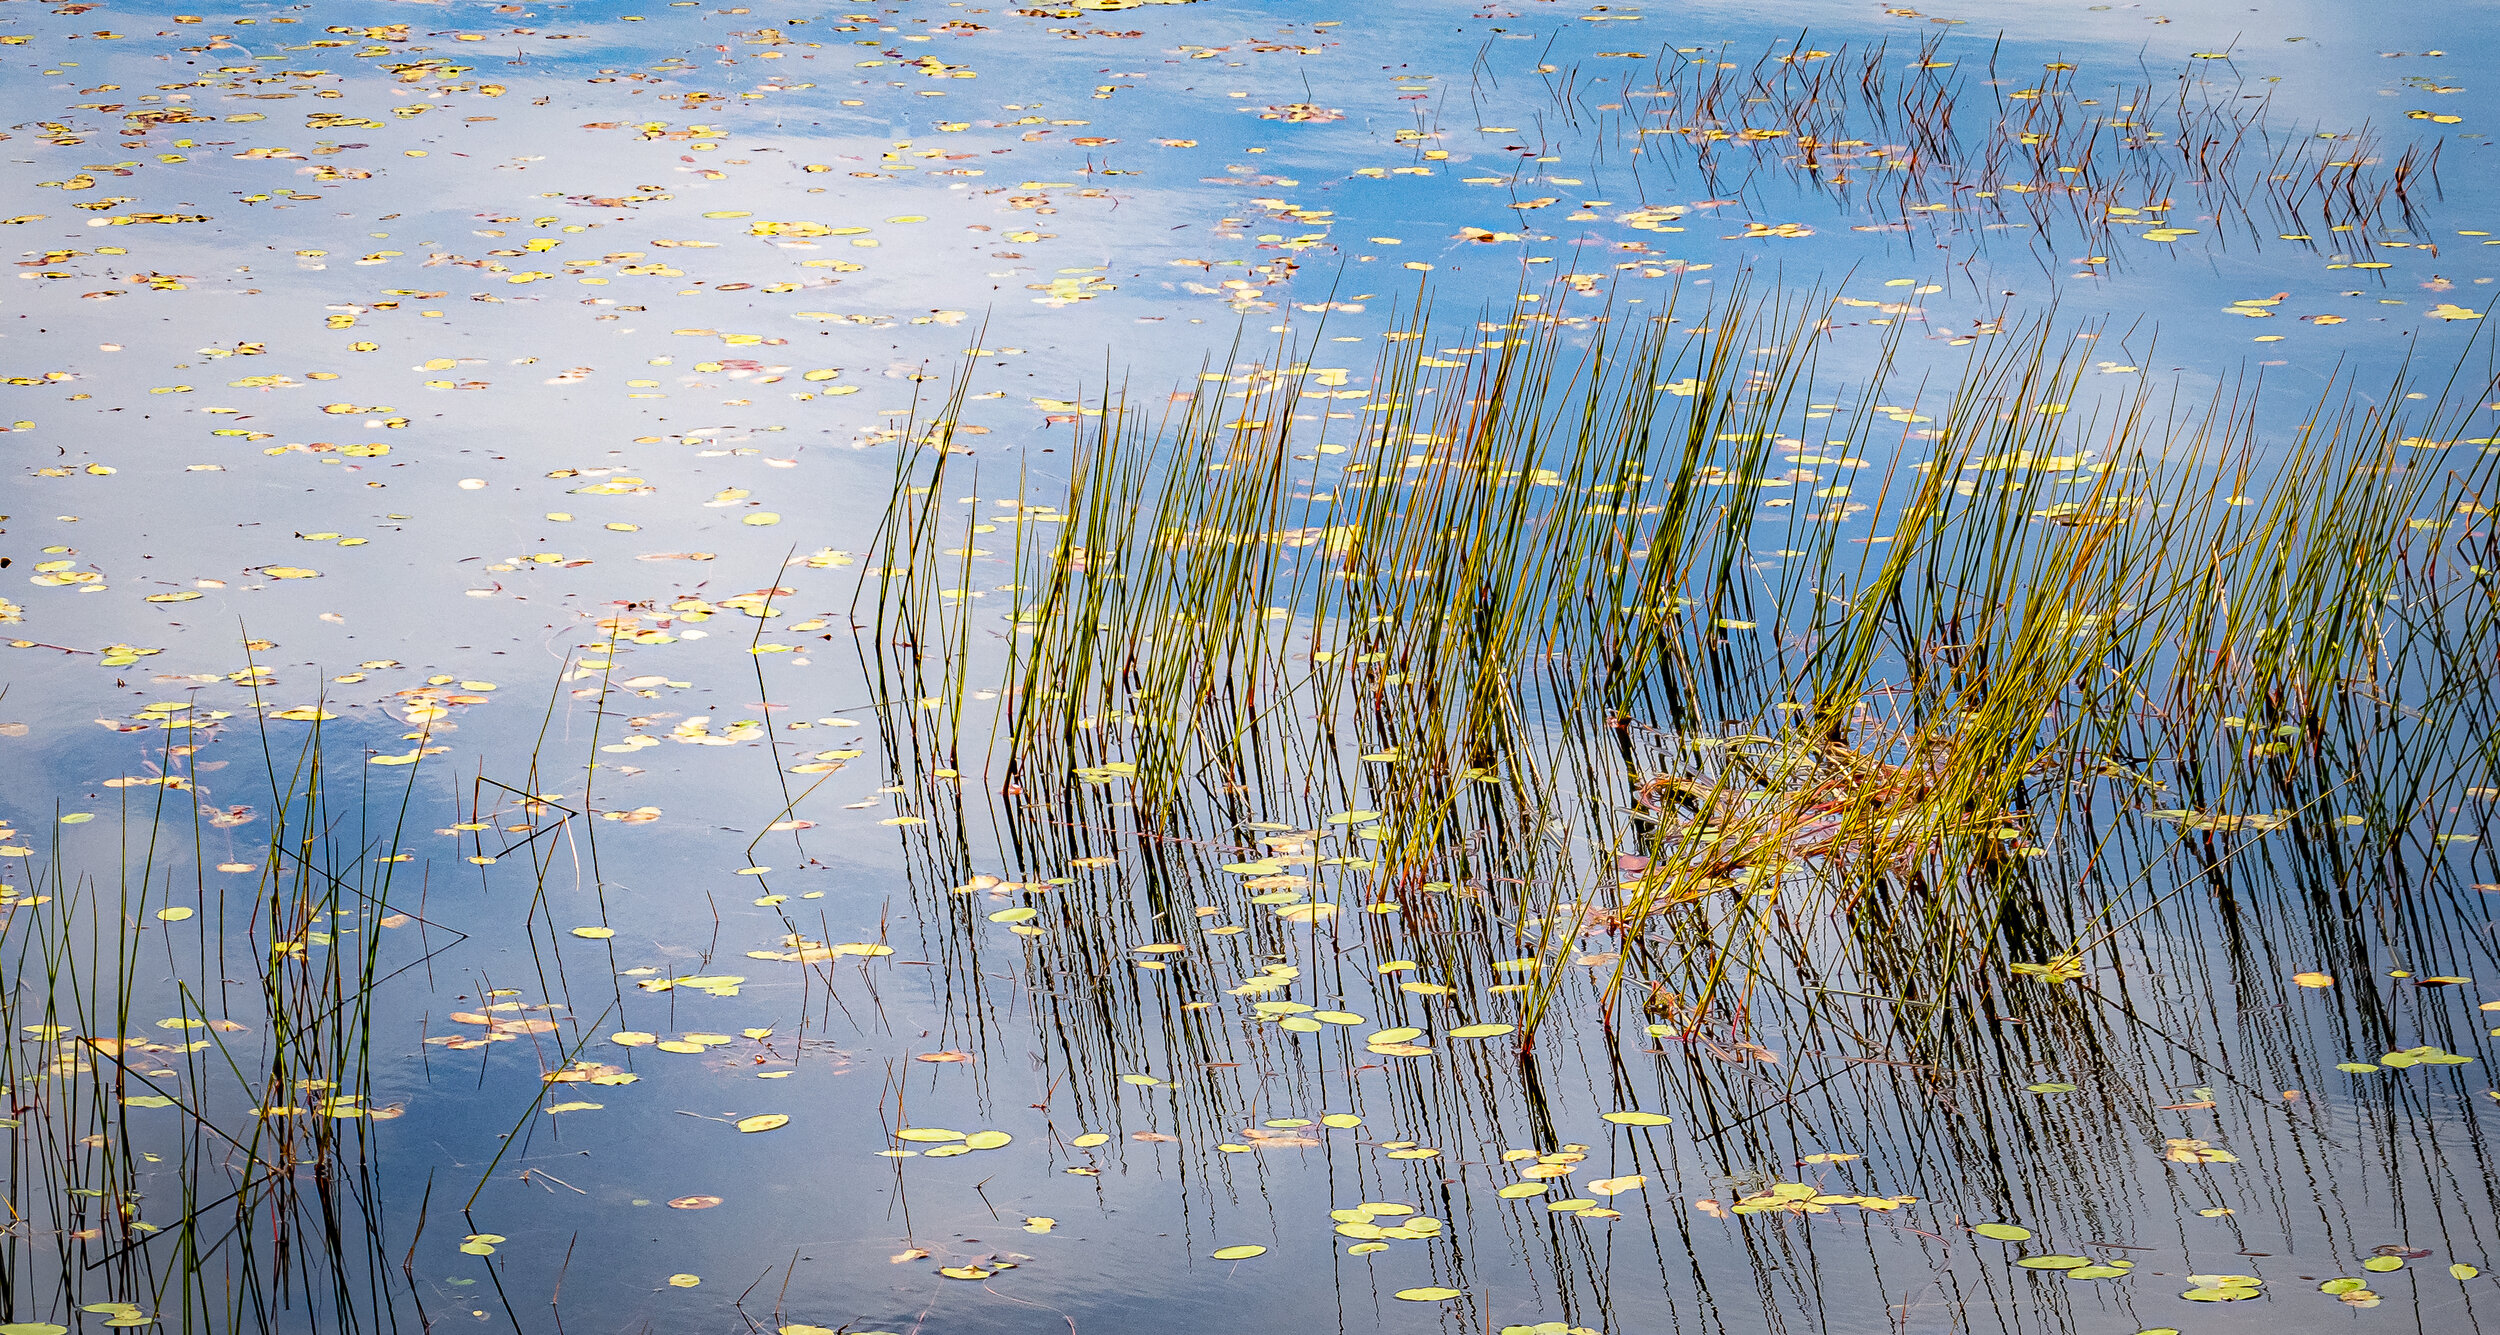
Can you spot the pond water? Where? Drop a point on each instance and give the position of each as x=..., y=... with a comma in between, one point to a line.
x=1192, y=666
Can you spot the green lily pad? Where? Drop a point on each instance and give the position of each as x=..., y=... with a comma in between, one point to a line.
x=2222, y=1288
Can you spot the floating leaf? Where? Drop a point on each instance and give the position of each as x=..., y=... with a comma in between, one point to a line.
x=1480, y=1031
x=2002, y=1232
x=1241, y=1253
x=1638, y=1118
x=764, y=1122
x=1427, y=1295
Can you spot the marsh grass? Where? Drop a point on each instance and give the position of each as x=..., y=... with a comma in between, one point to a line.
x=1618, y=641
x=190, y=1057
x=1923, y=136
x=2044, y=755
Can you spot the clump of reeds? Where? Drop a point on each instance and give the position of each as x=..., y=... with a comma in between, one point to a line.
x=1654, y=620
x=1925, y=135
x=187, y=1071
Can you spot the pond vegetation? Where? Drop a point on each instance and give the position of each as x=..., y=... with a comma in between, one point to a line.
x=1638, y=792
